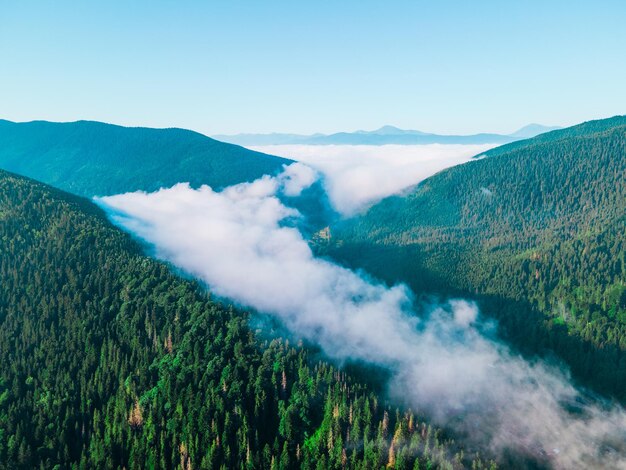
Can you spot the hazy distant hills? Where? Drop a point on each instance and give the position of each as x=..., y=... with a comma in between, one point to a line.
x=92, y=158
x=537, y=230
x=383, y=136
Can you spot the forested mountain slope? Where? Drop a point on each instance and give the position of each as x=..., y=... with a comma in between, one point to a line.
x=92, y=158
x=111, y=361
x=537, y=230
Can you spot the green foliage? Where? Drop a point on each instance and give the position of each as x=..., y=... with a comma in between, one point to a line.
x=112, y=361
x=536, y=232
x=96, y=159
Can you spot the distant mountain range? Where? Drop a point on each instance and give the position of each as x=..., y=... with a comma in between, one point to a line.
x=383, y=136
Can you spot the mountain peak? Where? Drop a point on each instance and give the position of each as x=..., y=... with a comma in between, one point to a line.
x=391, y=130
x=533, y=129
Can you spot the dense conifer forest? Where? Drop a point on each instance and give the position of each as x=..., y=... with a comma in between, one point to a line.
x=536, y=230
x=109, y=360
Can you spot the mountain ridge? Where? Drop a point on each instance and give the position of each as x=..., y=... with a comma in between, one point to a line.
x=91, y=158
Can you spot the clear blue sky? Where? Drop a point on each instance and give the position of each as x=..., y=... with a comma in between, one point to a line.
x=290, y=66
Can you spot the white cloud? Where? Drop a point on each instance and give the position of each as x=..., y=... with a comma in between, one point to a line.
x=295, y=178
x=357, y=176
x=444, y=365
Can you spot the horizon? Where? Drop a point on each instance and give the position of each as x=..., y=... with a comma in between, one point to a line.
x=450, y=68
x=391, y=126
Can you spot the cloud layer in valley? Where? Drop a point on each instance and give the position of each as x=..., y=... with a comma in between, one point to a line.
x=444, y=363
x=357, y=176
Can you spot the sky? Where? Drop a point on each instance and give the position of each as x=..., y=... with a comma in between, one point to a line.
x=283, y=66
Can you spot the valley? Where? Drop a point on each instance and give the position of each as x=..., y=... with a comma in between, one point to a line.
x=498, y=232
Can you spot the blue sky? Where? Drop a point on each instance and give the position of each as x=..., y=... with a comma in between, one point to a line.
x=287, y=66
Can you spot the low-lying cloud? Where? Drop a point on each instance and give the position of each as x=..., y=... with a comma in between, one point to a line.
x=444, y=363
x=357, y=176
